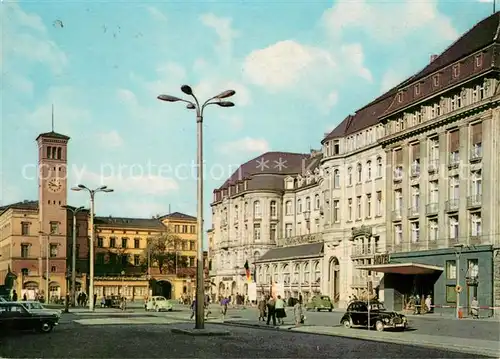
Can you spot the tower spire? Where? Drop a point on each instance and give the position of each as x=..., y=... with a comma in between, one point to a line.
x=52, y=117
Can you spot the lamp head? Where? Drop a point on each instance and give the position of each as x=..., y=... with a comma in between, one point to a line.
x=187, y=89
x=226, y=94
x=225, y=104
x=190, y=106
x=76, y=189
x=168, y=98
x=81, y=186
x=108, y=190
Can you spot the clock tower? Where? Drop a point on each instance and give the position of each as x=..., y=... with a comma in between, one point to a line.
x=52, y=195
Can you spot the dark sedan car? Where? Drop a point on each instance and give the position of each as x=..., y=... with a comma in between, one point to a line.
x=380, y=319
x=15, y=317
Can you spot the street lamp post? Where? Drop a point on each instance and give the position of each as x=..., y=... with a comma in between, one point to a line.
x=47, y=250
x=215, y=100
x=92, y=193
x=74, y=211
x=458, y=253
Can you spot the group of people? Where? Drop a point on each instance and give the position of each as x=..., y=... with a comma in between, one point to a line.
x=274, y=310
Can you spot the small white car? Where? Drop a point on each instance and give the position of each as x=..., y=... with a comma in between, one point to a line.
x=158, y=304
x=37, y=307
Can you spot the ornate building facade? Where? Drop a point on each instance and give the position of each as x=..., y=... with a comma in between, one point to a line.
x=403, y=201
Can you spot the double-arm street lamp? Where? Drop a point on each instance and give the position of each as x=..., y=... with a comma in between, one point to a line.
x=92, y=193
x=74, y=211
x=195, y=105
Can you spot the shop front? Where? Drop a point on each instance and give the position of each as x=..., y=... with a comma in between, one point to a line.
x=462, y=273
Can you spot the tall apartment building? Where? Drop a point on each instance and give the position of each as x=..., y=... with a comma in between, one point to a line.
x=405, y=195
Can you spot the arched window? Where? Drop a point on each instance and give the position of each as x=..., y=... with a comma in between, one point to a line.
x=307, y=274
x=288, y=207
x=299, y=206
x=257, y=213
x=308, y=204
x=286, y=274
x=379, y=167
x=296, y=273
x=275, y=273
x=273, y=209
x=359, y=171
x=369, y=170
x=336, y=178
x=316, y=201
x=317, y=272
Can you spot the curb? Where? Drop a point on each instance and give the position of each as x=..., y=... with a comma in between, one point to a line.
x=450, y=347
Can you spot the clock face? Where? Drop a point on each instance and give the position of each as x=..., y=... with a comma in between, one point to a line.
x=54, y=185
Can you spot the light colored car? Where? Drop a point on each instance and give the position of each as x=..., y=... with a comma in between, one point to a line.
x=37, y=307
x=159, y=304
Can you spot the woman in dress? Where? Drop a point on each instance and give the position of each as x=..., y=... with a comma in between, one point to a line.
x=298, y=313
x=280, y=310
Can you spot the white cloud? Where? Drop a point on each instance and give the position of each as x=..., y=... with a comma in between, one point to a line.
x=390, y=79
x=156, y=14
x=245, y=145
x=224, y=30
x=486, y=1
x=211, y=87
x=377, y=19
x=111, y=139
x=291, y=66
x=138, y=208
x=332, y=99
x=13, y=81
x=128, y=179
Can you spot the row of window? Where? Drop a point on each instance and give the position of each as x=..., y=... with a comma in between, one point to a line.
x=112, y=243
x=26, y=252
x=137, y=259
x=185, y=229
x=301, y=274
x=54, y=153
x=433, y=229
x=474, y=199
x=26, y=228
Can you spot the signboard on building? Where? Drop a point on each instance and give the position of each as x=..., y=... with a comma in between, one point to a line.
x=252, y=291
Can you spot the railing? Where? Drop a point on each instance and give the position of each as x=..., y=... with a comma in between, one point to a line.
x=454, y=160
x=365, y=250
x=476, y=154
x=413, y=212
x=302, y=239
x=452, y=205
x=431, y=209
x=415, y=170
x=474, y=201
x=433, y=166
x=396, y=215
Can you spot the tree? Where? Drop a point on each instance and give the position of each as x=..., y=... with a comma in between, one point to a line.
x=162, y=250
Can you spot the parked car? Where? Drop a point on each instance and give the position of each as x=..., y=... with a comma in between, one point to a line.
x=15, y=317
x=380, y=319
x=320, y=302
x=2, y=300
x=37, y=307
x=158, y=303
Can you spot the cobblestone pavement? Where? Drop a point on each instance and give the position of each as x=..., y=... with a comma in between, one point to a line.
x=73, y=340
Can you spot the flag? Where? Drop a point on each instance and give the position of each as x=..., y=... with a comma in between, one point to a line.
x=247, y=271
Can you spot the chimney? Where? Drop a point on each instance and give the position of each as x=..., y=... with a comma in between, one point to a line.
x=433, y=57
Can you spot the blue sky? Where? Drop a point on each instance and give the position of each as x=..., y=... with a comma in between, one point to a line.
x=298, y=67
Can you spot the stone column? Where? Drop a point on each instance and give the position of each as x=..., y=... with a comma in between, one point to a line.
x=389, y=200
x=464, y=175
x=405, y=186
x=424, y=191
x=443, y=190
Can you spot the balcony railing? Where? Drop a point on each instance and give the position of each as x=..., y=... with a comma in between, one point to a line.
x=398, y=174
x=433, y=166
x=452, y=205
x=365, y=250
x=396, y=215
x=431, y=209
x=302, y=239
x=413, y=212
x=454, y=160
x=415, y=170
x=476, y=154
x=474, y=201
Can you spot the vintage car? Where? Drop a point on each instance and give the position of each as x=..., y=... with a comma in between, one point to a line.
x=320, y=302
x=15, y=317
x=358, y=315
x=37, y=307
x=159, y=304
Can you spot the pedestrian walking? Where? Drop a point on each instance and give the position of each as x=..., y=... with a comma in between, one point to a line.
x=474, y=311
x=193, y=309
x=298, y=313
x=271, y=310
x=262, y=309
x=280, y=310
x=224, y=303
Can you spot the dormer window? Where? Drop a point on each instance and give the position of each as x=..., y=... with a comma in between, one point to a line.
x=417, y=89
x=400, y=97
x=456, y=71
x=435, y=80
x=479, y=60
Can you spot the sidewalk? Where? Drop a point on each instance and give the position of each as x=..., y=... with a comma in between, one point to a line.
x=470, y=346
